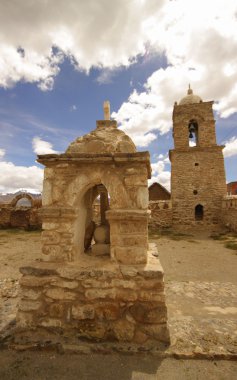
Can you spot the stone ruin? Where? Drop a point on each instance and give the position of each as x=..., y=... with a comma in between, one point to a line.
x=20, y=211
x=96, y=281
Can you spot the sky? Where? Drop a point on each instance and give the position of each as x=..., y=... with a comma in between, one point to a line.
x=59, y=61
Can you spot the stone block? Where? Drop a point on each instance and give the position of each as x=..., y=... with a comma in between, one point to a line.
x=30, y=294
x=131, y=255
x=124, y=330
x=61, y=283
x=29, y=305
x=107, y=311
x=146, y=313
x=60, y=294
x=50, y=322
x=82, y=312
x=56, y=310
x=50, y=237
x=24, y=319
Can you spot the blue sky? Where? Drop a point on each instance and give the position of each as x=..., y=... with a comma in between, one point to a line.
x=56, y=70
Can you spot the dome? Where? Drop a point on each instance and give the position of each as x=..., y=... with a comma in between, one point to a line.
x=190, y=98
x=106, y=138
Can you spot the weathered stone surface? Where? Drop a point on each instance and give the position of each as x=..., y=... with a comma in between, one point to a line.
x=30, y=294
x=50, y=322
x=76, y=288
x=60, y=294
x=56, y=310
x=146, y=313
x=131, y=255
x=28, y=305
x=157, y=331
x=124, y=330
x=61, y=283
x=83, y=312
x=108, y=311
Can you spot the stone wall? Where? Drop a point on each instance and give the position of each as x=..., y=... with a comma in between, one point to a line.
x=27, y=218
x=229, y=213
x=101, y=301
x=194, y=182
x=161, y=214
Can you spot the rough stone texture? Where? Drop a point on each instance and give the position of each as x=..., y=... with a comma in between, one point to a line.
x=97, y=299
x=197, y=172
x=13, y=216
x=161, y=214
x=229, y=213
x=72, y=289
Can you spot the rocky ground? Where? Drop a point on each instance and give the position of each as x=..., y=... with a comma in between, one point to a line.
x=201, y=288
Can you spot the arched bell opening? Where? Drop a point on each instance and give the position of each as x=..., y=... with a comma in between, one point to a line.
x=92, y=232
x=193, y=132
x=199, y=212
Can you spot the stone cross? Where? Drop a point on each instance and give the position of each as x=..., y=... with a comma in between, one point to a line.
x=107, y=110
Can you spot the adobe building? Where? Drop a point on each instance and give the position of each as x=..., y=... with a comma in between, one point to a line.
x=158, y=192
x=198, y=182
x=100, y=282
x=232, y=188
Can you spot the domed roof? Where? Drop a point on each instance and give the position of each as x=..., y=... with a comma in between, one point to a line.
x=106, y=138
x=190, y=98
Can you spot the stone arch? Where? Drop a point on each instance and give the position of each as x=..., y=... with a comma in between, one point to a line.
x=193, y=132
x=199, y=212
x=22, y=196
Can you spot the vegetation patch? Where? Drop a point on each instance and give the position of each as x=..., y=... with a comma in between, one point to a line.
x=231, y=245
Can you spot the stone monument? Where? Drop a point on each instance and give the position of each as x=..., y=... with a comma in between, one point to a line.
x=96, y=281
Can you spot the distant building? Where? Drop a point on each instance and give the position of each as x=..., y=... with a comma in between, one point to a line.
x=158, y=192
x=232, y=188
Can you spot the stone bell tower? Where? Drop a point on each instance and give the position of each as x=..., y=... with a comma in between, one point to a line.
x=197, y=165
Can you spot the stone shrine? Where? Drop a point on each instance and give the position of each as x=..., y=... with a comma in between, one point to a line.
x=97, y=280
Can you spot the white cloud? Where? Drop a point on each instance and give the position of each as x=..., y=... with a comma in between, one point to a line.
x=36, y=35
x=15, y=177
x=42, y=147
x=230, y=147
x=199, y=41
x=160, y=174
x=73, y=108
x=2, y=153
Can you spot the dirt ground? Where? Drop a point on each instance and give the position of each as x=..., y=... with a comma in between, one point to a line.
x=201, y=289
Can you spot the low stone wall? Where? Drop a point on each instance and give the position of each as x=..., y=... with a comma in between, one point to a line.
x=27, y=218
x=161, y=214
x=229, y=212
x=95, y=299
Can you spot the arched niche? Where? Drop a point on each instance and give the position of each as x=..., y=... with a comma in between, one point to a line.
x=199, y=212
x=92, y=232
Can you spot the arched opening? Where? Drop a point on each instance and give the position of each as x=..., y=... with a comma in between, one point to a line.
x=193, y=132
x=199, y=212
x=92, y=233
x=23, y=202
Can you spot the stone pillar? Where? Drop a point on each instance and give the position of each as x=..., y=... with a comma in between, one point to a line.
x=57, y=235
x=128, y=235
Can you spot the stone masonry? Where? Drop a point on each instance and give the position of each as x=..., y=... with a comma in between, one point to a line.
x=95, y=281
x=197, y=167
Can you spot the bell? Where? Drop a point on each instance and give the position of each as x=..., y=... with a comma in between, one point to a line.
x=190, y=135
